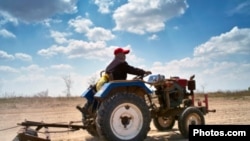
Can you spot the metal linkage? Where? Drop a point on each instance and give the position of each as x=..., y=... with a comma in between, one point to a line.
x=27, y=133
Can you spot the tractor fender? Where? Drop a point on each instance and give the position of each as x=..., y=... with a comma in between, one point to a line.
x=89, y=93
x=107, y=87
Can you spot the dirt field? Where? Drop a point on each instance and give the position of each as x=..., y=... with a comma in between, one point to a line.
x=229, y=110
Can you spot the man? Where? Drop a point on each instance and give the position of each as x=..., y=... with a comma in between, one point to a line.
x=116, y=70
x=119, y=68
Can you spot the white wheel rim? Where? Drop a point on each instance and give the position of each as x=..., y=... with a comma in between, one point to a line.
x=193, y=119
x=130, y=113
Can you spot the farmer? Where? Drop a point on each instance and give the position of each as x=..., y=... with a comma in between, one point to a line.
x=116, y=70
x=119, y=68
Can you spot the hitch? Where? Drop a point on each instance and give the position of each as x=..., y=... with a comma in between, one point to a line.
x=28, y=134
x=206, y=104
x=199, y=103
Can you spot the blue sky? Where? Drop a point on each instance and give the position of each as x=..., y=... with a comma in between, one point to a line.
x=43, y=41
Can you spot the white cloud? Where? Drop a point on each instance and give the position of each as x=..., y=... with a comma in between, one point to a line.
x=5, y=56
x=241, y=8
x=8, y=69
x=99, y=34
x=7, y=18
x=61, y=66
x=30, y=10
x=7, y=34
x=23, y=57
x=47, y=22
x=81, y=25
x=59, y=37
x=51, y=51
x=236, y=41
x=147, y=16
x=217, y=63
x=104, y=5
x=85, y=26
x=77, y=49
x=153, y=37
x=33, y=69
x=219, y=67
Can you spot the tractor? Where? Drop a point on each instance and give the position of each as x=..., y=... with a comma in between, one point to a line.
x=123, y=109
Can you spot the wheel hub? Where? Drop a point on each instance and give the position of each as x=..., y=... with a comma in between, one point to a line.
x=126, y=121
x=193, y=120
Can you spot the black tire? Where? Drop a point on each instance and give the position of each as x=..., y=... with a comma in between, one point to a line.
x=190, y=116
x=92, y=131
x=123, y=117
x=89, y=110
x=164, y=123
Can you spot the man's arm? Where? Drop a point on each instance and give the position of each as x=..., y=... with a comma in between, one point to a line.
x=135, y=71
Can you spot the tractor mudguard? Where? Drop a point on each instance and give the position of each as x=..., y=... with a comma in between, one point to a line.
x=89, y=93
x=107, y=87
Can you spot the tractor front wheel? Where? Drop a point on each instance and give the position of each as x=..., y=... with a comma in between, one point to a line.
x=190, y=116
x=123, y=117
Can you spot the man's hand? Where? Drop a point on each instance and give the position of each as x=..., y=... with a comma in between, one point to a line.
x=148, y=72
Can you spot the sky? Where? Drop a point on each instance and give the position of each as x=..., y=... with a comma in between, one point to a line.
x=43, y=42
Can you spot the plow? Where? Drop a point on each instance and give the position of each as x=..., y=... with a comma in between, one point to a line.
x=123, y=110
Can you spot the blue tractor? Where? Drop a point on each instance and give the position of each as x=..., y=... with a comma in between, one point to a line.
x=123, y=109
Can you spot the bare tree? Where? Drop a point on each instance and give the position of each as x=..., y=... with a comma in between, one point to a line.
x=68, y=82
x=42, y=94
x=203, y=86
x=1, y=85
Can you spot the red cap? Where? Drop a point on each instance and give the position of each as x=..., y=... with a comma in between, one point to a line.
x=120, y=50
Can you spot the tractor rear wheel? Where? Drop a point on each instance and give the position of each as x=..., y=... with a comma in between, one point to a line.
x=164, y=123
x=123, y=117
x=190, y=116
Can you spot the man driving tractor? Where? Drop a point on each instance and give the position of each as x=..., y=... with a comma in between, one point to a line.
x=117, y=69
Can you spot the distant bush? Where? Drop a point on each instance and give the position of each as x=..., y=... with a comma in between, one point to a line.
x=42, y=94
x=229, y=93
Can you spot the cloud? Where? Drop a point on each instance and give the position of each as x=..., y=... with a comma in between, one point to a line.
x=47, y=22
x=7, y=18
x=145, y=16
x=5, y=56
x=34, y=69
x=85, y=26
x=77, y=49
x=99, y=34
x=61, y=66
x=104, y=5
x=23, y=57
x=81, y=25
x=218, y=63
x=241, y=8
x=30, y=10
x=5, y=33
x=59, y=37
x=236, y=41
x=8, y=69
x=153, y=37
